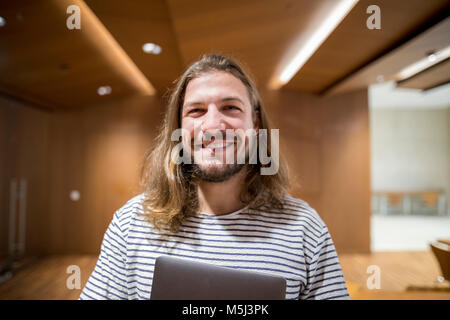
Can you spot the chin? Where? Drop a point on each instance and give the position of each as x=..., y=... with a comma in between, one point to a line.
x=216, y=172
x=214, y=169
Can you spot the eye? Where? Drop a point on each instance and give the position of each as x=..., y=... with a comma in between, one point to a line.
x=231, y=107
x=195, y=110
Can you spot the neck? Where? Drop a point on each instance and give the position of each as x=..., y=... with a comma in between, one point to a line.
x=221, y=197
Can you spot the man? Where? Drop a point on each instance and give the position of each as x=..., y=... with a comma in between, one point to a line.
x=212, y=209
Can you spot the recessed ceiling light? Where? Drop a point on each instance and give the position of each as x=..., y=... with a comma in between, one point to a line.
x=432, y=57
x=104, y=90
x=74, y=195
x=380, y=78
x=2, y=22
x=151, y=48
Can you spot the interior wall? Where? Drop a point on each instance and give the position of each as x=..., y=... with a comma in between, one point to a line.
x=4, y=206
x=24, y=152
x=410, y=149
x=345, y=193
x=327, y=145
x=96, y=151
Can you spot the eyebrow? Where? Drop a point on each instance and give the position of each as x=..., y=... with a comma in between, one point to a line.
x=226, y=99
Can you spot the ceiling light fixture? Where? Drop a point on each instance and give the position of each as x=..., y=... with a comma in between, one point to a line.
x=315, y=40
x=422, y=64
x=151, y=48
x=104, y=90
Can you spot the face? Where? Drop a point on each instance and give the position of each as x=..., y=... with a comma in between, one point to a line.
x=215, y=104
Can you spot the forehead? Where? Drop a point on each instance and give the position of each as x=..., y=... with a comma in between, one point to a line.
x=215, y=85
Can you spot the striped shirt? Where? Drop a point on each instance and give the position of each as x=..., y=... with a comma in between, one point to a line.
x=293, y=243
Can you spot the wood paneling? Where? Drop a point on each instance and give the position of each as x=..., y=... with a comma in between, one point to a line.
x=259, y=32
x=50, y=65
x=46, y=63
x=345, y=174
x=97, y=151
x=326, y=142
x=352, y=45
x=435, y=76
x=297, y=117
x=138, y=22
x=24, y=156
x=434, y=39
x=4, y=183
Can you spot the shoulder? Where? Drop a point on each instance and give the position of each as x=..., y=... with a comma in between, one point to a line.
x=129, y=210
x=303, y=210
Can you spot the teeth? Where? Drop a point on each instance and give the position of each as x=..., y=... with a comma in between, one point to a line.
x=218, y=145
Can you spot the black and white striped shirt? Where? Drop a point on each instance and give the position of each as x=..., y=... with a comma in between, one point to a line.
x=293, y=243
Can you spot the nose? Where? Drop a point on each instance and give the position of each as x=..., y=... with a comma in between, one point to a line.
x=212, y=121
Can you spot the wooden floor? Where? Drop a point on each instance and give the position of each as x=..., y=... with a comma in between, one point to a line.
x=46, y=277
x=398, y=271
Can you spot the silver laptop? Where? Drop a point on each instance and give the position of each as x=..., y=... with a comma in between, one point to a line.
x=181, y=279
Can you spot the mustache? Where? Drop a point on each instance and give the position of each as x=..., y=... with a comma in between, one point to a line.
x=209, y=137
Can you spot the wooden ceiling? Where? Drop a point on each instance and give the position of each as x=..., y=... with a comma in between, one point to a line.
x=257, y=32
x=430, y=78
x=352, y=45
x=134, y=23
x=44, y=62
x=389, y=65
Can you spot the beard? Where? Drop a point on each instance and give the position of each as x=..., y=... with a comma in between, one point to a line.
x=214, y=173
x=218, y=171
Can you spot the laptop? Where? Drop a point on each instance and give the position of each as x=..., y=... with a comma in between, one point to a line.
x=181, y=279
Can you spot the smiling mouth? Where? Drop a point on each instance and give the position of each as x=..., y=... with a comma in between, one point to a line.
x=215, y=145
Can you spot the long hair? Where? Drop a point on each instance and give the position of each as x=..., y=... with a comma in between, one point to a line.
x=170, y=194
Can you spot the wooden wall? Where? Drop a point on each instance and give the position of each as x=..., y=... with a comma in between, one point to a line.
x=24, y=155
x=3, y=186
x=326, y=142
x=98, y=151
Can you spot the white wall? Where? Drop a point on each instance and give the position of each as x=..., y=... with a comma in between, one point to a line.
x=410, y=149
